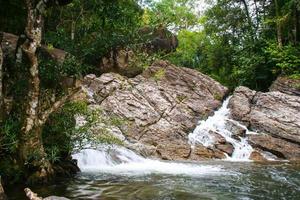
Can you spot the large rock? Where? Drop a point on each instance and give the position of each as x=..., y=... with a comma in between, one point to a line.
x=274, y=113
x=126, y=61
x=159, y=107
x=286, y=85
x=256, y=156
x=279, y=147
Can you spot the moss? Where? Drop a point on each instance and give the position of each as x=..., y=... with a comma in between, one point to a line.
x=159, y=74
x=218, y=97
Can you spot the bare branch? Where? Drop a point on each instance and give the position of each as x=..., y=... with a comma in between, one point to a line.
x=58, y=104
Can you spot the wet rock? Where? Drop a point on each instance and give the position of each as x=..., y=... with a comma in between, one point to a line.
x=200, y=152
x=236, y=129
x=274, y=113
x=226, y=148
x=256, y=156
x=286, y=85
x=66, y=168
x=240, y=104
x=173, y=151
x=159, y=107
x=219, y=139
x=279, y=147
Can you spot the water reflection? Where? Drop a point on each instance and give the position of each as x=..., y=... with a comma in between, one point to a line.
x=245, y=181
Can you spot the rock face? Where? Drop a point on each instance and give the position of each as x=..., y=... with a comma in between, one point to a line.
x=275, y=115
x=286, y=85
x=159, y=107
x=279, y=147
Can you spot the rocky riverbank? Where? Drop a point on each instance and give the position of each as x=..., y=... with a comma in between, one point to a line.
x=161, y=106
x=275, y=116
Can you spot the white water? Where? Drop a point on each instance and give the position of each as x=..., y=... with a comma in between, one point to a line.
x=119, y=160
x=217, y=124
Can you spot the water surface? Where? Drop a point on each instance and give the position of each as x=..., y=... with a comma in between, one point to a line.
x=232, y=180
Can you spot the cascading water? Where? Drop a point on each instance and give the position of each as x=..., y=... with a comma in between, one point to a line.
x=217, y=124
x=120, y=160
x=116, y=159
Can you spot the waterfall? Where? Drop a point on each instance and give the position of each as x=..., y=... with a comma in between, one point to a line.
x=217, y=124
x=120, y=160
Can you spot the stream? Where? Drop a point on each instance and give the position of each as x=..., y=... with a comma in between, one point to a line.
x=115, y=172
x=208, y=180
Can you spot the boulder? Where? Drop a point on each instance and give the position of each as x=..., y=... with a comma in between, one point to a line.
x=126, y=61
x=274, y=113
x=237, y=130
x=159, y=107
x=226, y=148
x=279, y=147
x=286, y=85
x=258, y=157
x=201, y=152
x=160, y=39
x=219, y=139
x=122, y=61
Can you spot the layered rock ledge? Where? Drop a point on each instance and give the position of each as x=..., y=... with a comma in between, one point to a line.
x=274, y=115
x=159, y=108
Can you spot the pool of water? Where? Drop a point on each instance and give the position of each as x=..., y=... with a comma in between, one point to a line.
x=227, y=180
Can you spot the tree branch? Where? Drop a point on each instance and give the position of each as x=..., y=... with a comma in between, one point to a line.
x=58, y=104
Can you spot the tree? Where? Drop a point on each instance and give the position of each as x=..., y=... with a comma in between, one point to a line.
x=91, y=29
x=31, y=150
x=176, y=15
x=1, y=84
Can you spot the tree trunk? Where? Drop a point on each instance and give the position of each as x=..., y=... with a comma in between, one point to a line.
x=31, y=150
x=297, y=23
x=278, y=25
x=249, y=20
x=32, y=153
x=1, y=85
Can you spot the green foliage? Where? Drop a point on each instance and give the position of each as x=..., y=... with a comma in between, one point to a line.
x=97, y=26
x=235, y=42
x=286, y=58
x=62, y=136
x=174, y=14
x=143, y=60
x=51, y=71
x=187, y=52
x=9, y=140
